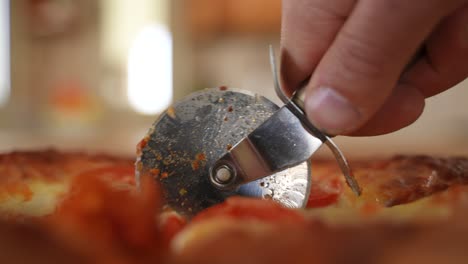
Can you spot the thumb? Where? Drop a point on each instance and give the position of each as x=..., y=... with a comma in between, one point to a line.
x=362, y=66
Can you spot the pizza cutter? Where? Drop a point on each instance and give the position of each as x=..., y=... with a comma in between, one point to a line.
x=221, y=142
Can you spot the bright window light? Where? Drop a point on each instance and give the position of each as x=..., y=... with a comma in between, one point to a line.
x=4, y=51
x=149, y=69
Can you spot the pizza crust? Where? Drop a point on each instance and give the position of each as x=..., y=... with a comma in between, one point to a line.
x=412, y=210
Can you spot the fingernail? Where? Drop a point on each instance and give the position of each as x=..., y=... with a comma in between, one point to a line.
x=331, y=112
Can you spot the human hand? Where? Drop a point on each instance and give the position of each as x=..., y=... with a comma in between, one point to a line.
x=351, y=55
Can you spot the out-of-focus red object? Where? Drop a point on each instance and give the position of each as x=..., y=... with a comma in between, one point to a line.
x=70, y=96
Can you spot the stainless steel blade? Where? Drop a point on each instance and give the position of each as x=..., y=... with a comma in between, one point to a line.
x=186, y=141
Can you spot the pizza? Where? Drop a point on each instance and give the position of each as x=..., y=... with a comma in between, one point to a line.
x=66, y=207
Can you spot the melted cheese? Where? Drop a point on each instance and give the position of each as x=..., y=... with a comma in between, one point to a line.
x=42, y=201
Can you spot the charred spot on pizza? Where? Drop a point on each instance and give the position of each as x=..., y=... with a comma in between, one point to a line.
x=404, y=179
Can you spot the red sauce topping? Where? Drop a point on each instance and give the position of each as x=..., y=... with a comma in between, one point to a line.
x=324, y=193
x=171, y=224
x=200, y=157
x=155, y=172
x=195, y=165
x=141, y=145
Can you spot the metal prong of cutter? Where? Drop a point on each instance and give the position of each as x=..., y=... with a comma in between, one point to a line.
x=339, y=156
x=344, y=166
x=274, y=69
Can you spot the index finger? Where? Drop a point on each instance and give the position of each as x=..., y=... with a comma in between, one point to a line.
x=307, y=30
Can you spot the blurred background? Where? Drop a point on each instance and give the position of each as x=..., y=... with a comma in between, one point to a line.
x=94, y=74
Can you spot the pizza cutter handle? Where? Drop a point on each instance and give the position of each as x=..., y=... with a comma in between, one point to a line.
x=296, y=105
x=279, y=143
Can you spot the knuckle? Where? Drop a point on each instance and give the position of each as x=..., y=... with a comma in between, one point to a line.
x=419, y=6
x=360, y=58
x=329, y=10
